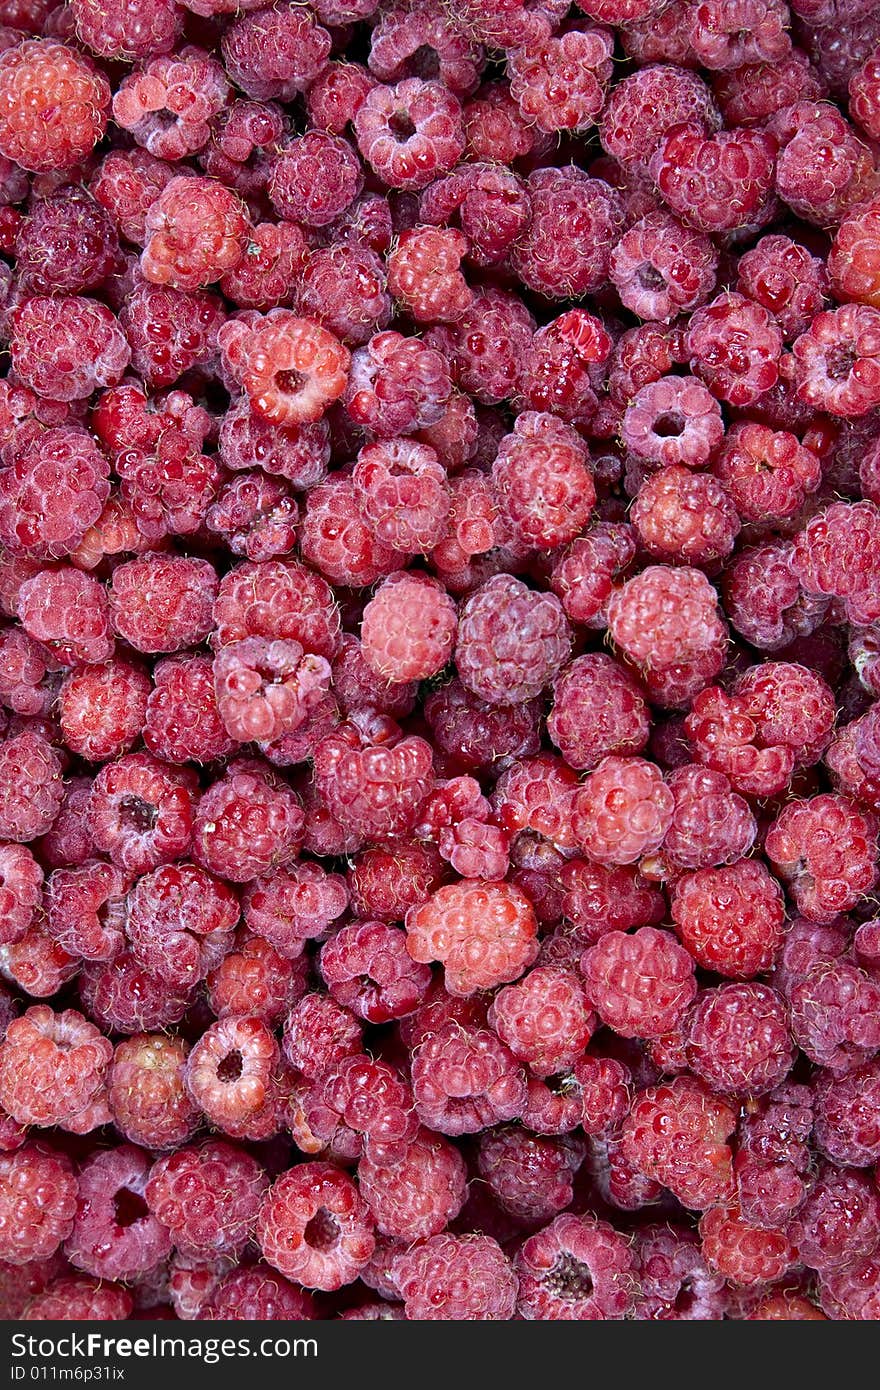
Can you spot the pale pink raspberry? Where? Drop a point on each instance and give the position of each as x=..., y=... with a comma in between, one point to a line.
x=484, y=934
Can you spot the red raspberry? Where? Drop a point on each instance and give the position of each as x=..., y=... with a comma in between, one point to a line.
x=367, y=969
x=408, y=629
x=556, y=373
x=847, y=1128
x=114, y=1235
x=476, y=734
x=764, y=600
x=53, y=1070
x=768, y=473
x=318, y=1033
x=598, y=898
x=535, y=794
x=242, y=134
x=511, y=641
x=86, y=910
x=276, y=54
x=384, y=883
x=53, y=105
x=738, y=1039
x=208, y=1197
x=336, y=94
x=255, y=516
x=774, y=1157
x=786, y=1307
x=850, y=1294
x=146, y=1094
x=254, y=979
x=839, y=1222
x=622, y=811
x=716, y=182
x=315, y=1228
x=685, y=517
x=290, y=368
x=735, y=346
x=129, y=32
x=370, y=778
x=294, y=905
x=644, y=106
x=710, y=825
x=401, y=491
x=314, y=178
x=38, y=1197
x=728, y=33
x=544, y=1019
x=125, y=998
x=197, y=231
x=79, y=1298
x=169, y=103
x=674, y=1282
x=418, y=1193
x=575, y=1269
x=162, y=603
x=67, y=612
x=410, y=133
x=101, y=709
x=169, y=331
x=558, y=81
x=255, y=1294
x=66, y=245
x=863, y=89
x=64, y=348
x=397, y=385
x=140, y=811
x=493, y=206
x=362, y=1106
x=465, y=1080
x=743, y=1253
x=182, y=720
x=21, y=883
x=278, y=601
x=823, y=169
x=782, y=276
x=826, y=849
x=836, y=362
x=640, y=985
x=487, y=345
x=583, y=575
x=30, y=775
x=266, y=689
x=229, y=1076
x=665, y=617
x=344, y=287
x=530, y=1177
x=246, y=823
x=180, y=923
x=126, y=183
x=456, y=1278
x=37, y=964
x=338, y=542
x=660, y=267
x=424, y=274
x=731, y=919
x=676, y=1133
x=834, y=1012
x=544, y=487
x=482, y=933
x=673, y=420
x=834, y=554
x=576, y=220
x=170, y=487
x=408, y=43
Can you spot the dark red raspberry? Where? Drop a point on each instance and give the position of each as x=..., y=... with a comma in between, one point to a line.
x=575, y=221
x=511, y=641
x=530, y=1177
x=640, y=985
x=847, y=1128
x=676, y=1133
x=361, y=1106
x=21, y=884
x=738, y=1039
x=465, y=1080
x=599, y=898
x=246, y=823
x=314, y=178
x=839, y=1222
x=543, y=483
x=645, y=105
x=66, y=245
x=735, y=346
x=125, y=998
x=275, y=54
x=30, y=775
x=64, y=348
x=170, y=331
x=182, y=722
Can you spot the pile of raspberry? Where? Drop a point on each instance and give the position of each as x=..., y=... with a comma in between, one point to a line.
x=440, y=659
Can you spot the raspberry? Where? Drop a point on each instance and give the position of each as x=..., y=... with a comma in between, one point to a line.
x=168, y=104
x=599, y=898
x=338, y=542
x=743, y=1253
x=833, y=554
x=833, y=1013
x=344, y=288
x=38, y=1198
x=839, y=1222
x=710, y=825
x=673, y=420
x=314, y=1227
x=646, y=104
x=162, y=603
x=265, y=689
x=146, y=1094
x=465, y=1080
x=728, y=33
x=820, y=189
x=79, y=1298
x=424, y=42
x=290, y=368
x=318, y=1033
x=125, y=998
x=53, y=105
x=408, y=629
x=131, y=32
x=255, y=516
x=482, y=933
x=836, y=362
x=738, y=1039
x=169, y=331
x=246, y=823
x=478, y=734
x=21, y=882
x=182, y=720
x=366, y=968
x=410, y=133
x=494, y=208
x=676, y=1132
x=786, y=280
x=716, y=182
x=255, y=1294
x=684, y=516
x=640, y=985
x=544, y=487
x=665, y=617
x=397, y=385
x=530, y=1177
x=486, y=346
x=38, y=964
x=67, y=612
x=229, y=1076
x=556, y=373
x=180, y=923
x=535, y=795
x=415, y=1195
x=850, y=1294
x=559, y=81
x=575, y=1269
x=114, y=1235
x=731, y=919
x=764, y=600
x=384, y=883
x=826, y=849
x=544, y=1019
x=126, y=183
x=361, y=1106
x=401, y=492
x=86, y=911
x=314, y=178
x=196, y=230
x=63, y=348
x=583, y=575
x=208, y=1197
x=768, y=473
x=30, y=775
x=66, y=245
x=275, y=54
x=372, y=779
x=293, y=905
x=565, y=252
x=424, y=274
x=242, y=134
x=511, y=641
x=102, y=708
x=456, y=1278
x=660, y=267
x=278, y=602
x=335, y=95
x=847, y=1128
x=622, y=811
x=675, y=1283
x=140, y=811
x=735, y=346
x=53, y=1070
x=749, y=94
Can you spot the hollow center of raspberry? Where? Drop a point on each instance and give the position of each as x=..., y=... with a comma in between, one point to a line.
x=230, y=1068
x=425, y=62
x=128, y=1208
x=669, y=426
x=322, y=1232
x=401, y=125
x=570, y=1279
x=137, y=814
x=290, y=381
x=650, y=278
x=840, y=362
